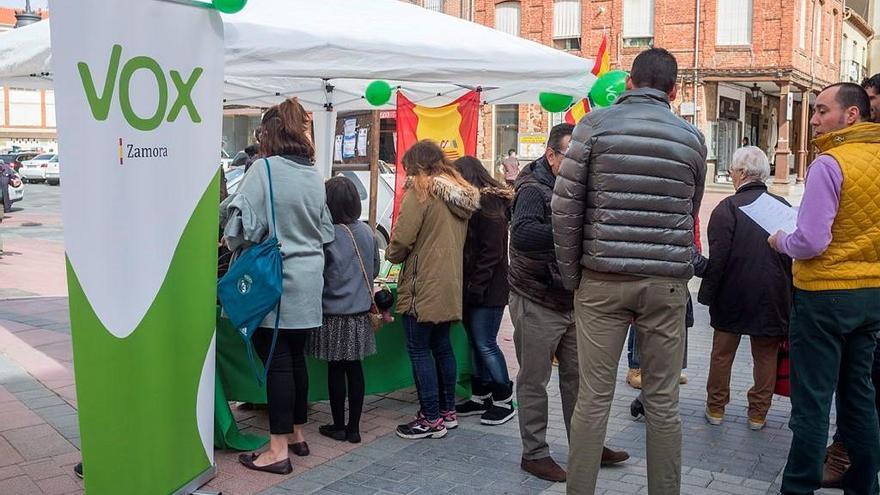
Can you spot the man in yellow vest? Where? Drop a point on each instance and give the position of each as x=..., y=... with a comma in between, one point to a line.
x=836, y=317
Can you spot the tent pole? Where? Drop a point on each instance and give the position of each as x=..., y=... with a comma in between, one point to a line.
x=375, y=124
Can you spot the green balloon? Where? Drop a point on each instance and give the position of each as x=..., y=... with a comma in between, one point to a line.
x=378, y=93
x=554, y=102
x=229, y=6
x=608, y=87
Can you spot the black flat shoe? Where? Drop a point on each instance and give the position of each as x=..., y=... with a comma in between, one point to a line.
x=280, y=467
x=353, y=436
x=332, y=431
x=301, y=449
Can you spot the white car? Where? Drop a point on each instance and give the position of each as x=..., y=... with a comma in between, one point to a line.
x=53, y=172
x=35, y=170
x=361, y=179
x=384, y=201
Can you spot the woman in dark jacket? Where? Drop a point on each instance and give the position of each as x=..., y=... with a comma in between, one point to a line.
x=747, y=287
x=485, y=295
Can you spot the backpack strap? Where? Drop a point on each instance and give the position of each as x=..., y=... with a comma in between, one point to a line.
x=271, y=194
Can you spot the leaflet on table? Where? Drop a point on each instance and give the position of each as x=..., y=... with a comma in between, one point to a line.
x=388, y=272
x=771, y=214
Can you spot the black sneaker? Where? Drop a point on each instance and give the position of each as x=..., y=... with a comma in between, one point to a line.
x=78, y=470
x=474, y=406
x=637, y=409
x=498, y=414
x=422, y=428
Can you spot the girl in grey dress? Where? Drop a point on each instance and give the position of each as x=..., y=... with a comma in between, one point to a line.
x=351, y=262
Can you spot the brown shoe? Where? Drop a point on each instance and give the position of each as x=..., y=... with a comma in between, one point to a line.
x=634, y=378
x=836, y=464
x=610, y=457
x=544, y=468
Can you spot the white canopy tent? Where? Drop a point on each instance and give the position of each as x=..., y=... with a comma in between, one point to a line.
x=327, y=52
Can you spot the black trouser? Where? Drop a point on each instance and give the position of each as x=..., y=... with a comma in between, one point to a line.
x=833, y=338
x=338, y=373
x=287, y=384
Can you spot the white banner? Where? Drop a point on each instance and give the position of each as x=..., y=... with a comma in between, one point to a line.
x=139, y=87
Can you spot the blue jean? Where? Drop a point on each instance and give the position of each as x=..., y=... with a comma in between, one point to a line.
x=482, y=324
x=433, y=363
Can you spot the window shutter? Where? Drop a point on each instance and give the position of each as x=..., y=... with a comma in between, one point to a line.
x=507, y=17
x=638, y=18
x=734, y=22
x=566, y=19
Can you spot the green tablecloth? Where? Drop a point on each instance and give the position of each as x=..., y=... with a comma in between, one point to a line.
x=386, y=371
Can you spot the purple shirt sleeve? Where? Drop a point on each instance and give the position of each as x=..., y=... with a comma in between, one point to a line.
x=817, y=212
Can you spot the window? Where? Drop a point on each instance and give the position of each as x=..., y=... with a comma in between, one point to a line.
x=831, y=40
x=638, y=22
x=50, y=108
x=734, y=22
x=25, y=107
x=567, y=24
x=817, y=31
x=803, y=25
x=506, y=129
x=435, y=5
x=507, y=17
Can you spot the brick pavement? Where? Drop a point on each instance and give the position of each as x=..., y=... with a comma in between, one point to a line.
x=39, y=436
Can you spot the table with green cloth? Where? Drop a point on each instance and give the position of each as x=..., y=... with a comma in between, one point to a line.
x=386, y=371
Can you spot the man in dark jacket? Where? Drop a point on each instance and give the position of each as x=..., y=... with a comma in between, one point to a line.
x=541, y=311
x=623, y=223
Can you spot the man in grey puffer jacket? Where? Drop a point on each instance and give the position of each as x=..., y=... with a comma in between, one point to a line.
x=623, y=223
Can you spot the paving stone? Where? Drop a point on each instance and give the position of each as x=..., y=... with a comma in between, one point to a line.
x=19, y=485
x=58, y=485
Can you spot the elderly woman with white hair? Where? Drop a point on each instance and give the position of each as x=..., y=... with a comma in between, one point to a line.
x=747, y=287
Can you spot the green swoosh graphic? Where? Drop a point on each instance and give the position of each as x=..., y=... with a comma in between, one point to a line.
x=137, y=396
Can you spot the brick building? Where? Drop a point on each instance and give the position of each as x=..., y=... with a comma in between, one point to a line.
x=753, y=61
x=27, y=116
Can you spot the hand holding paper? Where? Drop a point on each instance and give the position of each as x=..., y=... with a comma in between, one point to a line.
x=772, y=215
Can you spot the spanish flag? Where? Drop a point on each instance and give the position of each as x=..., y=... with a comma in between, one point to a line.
x=577, y=111
x=452, y=126
x=603, y=60
x=601, y=66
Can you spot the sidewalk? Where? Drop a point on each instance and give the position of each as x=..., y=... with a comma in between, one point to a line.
x=39, y=438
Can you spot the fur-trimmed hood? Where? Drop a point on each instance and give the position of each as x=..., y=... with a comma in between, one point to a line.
x=504, y=193
x=462, y=201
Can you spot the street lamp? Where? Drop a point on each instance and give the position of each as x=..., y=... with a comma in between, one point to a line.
x=756, y=91
x=26, y=16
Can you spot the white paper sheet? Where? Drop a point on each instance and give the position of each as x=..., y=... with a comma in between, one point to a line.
x=337, y=148
x=772, y=215
x=362, y=141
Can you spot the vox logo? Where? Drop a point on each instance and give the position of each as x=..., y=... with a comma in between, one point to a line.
x=100, y=104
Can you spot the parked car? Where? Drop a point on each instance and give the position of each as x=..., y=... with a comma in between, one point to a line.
x=233, y=179
x=16, y=158
x=384, y=201
x=35, y=170
x=225, y=159
x=53, y=172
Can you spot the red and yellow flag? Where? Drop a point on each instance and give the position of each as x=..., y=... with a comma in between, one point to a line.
x=452, y=126
x=601, y=66
x=603, y=59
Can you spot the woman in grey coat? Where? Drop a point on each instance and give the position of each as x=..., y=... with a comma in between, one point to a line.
x=303, y=226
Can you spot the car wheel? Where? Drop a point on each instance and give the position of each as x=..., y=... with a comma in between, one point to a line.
x=53, y=182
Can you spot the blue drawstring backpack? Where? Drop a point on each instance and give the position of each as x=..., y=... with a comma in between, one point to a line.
x=252, y=288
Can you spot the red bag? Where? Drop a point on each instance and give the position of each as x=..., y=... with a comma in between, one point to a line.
x=783, y=381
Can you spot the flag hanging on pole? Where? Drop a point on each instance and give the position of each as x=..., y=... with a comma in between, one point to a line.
x=603, y=60
x=577, y=111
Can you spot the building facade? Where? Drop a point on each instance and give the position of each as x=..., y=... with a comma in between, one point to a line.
x=27, y=116
x=745, y=66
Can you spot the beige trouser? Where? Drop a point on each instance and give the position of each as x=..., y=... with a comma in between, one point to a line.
x=539, y=334
x=603, y=311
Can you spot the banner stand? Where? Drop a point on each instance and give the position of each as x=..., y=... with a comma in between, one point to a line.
x=193, y=487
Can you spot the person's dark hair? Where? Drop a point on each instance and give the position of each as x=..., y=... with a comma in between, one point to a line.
x=285, y=130
x=872, y=82
x=655, y=68
x=474, y=172
x=425, y=160
x=343, y=200
x=852, y=95
x=510, y=152
x=557, y=133
x=251, y=149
